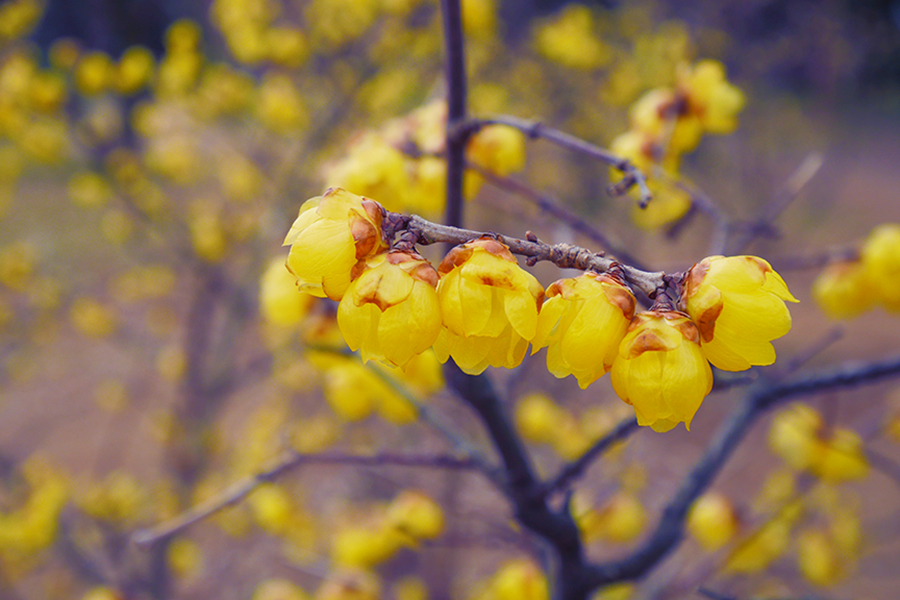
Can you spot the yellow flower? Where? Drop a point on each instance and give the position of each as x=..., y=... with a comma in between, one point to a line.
x=94, y=72
x=715, y=101
x=620, y=520
x=646, y=152
x=374, y=168
x=363, y=546
x=331, y=234
x=881, y=262
x=661, y=371
x=519, y=580
x=391, y=311
x=842, y=290
x=712, y=521
x=537, y=418
x=415, y=514
x=279, y=300
x=569, y=40
x=798, y=436
x=135, y=69
x=498, y=148
x=818, y=558
x=738, y=304
x=583, y=321
x=665, y=115
x=489, y=307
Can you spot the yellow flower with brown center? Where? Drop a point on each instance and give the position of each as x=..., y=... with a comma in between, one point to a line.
x=390, y=312
x=331, y=234
x=489, y=307
x=738, y=304
x=582, y=323
x=660, y=370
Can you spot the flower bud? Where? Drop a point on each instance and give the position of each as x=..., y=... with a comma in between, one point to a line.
x=582, y=323
x=331, y=234
x=660, y=369
x=738, y=304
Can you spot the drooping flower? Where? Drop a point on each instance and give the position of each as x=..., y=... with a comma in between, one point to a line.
x=390, y=312
x=331, y=234
x=738, y=304
x=489, y=307
x=582, y=323
x=660, y=369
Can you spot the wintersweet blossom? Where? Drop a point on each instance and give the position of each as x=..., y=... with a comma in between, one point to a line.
x=330, y=235
x=582, y=323
x=738, y=304
x=489, y=307
x=660, y=369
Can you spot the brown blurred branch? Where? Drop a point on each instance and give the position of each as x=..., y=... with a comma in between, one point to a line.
x=291, y=461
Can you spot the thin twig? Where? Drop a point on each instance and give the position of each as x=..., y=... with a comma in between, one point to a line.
x=795, y=184
x=291, y=461
x=533, y=129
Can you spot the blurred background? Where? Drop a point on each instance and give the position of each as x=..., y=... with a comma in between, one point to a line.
x=153, y=349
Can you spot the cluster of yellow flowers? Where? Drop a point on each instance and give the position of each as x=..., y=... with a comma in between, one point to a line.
x=799, y=436
x=402, y=161
x=540, y=420
x=480, y=308
x=847, y=289
x=407, y=520
x=668, y=122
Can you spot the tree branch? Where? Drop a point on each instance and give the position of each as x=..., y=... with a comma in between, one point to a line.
x=566, y=256
x=523, y=488
x=291, y=461
x=456, y=109
x=669, y=531
x=533, y=129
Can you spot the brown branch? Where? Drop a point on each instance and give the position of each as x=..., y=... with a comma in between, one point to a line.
x=631, y=175
x=669, y=531
x=291, y=461
x=457, y=137
x=565, y=256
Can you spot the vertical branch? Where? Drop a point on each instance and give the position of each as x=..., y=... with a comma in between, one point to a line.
x=451, y=13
